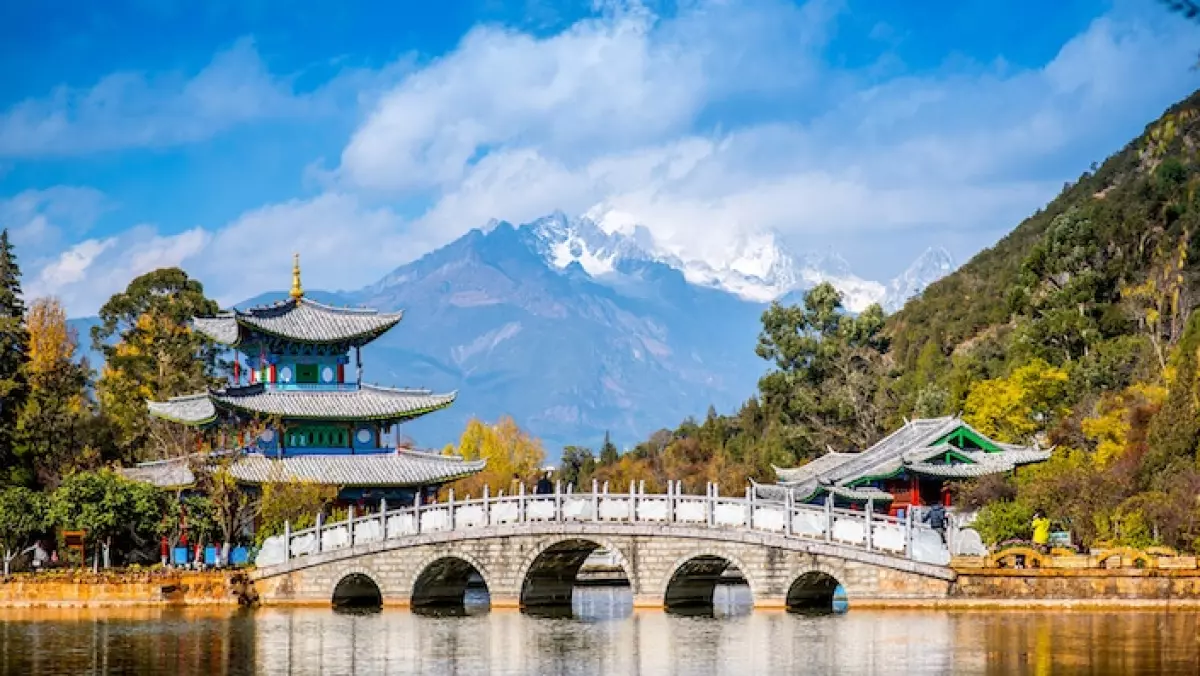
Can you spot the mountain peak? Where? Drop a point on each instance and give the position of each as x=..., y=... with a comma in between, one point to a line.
x=929, y=267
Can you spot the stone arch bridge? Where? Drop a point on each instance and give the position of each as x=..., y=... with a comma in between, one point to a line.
x=672, y=548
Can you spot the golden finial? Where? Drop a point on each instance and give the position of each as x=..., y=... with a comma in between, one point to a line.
x=297, y=290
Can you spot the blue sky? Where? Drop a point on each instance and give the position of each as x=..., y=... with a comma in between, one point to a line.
x=222, y=136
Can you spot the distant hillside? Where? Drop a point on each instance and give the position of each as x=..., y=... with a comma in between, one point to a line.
x=1072, y=278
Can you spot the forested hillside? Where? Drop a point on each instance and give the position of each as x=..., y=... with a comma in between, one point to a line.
x=1076, y=330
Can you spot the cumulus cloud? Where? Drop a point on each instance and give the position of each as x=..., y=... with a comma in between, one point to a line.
x=344, y=244
x=710, y=125
x=41, y=222
x=618, y=111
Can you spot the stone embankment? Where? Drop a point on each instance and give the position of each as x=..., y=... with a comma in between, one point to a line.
x=83, y=589
x=1123, y=577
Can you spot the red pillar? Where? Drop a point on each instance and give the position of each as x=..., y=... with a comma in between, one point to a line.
x=341, y=376
x=946, y=494
x=914, y=491
x=273, y=374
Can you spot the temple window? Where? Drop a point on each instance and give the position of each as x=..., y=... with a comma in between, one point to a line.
x=306, y=373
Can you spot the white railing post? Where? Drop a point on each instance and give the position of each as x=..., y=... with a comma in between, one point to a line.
x=450, y=508
x=383, y=518
x=632, y=501
x=750, y=507
x=908, y=532
x=870, y=512
x=558, y=501
x=788, y=500
x=670, y=502
x=828, y=517
x=350, y=524
x=417, y=512
x=709, y=505
x=287, y=540
x=487, y=514
x=320, y=522
x=521, y=504
x=595, y=500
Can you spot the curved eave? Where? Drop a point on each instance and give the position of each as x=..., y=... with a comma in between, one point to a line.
x=196, y=410
x=354, y=339
x=398, y=415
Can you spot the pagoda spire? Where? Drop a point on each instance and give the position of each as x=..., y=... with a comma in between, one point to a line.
x=297, y=291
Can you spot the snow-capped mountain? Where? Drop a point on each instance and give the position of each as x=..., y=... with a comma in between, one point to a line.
x=929, y=267
x=755, y=268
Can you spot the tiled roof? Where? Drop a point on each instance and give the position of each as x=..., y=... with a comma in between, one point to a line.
x=402, y=468
x=813, y=468
x=301, y=320
x=173, y=473
x=910, y=448
x=367, y=402
x=811, y=490
x=194, y=409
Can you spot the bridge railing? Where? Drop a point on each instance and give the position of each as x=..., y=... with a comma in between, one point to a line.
x=861, y=529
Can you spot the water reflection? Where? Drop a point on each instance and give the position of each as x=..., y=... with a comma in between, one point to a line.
x=594, y=641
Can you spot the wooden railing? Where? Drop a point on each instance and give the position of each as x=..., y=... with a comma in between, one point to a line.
x=863, y=529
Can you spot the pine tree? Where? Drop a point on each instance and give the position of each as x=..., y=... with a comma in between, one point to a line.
x=608, y=452
x=14, y=349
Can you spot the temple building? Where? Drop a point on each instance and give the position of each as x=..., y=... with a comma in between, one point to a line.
x=913, y=466
x=316, y=420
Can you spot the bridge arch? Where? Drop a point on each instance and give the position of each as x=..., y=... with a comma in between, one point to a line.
x=546, y=577
x=441, y=579
x=357, y=587
x=691, y=581
x=815, y=590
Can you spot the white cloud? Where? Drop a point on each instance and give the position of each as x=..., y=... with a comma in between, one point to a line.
x=613, y=111
x=41, y=222
x=718, y=122
x=133, y=109
x=343, y=243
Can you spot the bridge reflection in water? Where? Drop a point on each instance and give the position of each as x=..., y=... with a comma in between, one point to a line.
x=215, y=642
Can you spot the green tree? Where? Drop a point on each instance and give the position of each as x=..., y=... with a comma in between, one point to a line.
x=14, y=346
x=825, y=384
x=151, y=352
x=22, y=516
x=577, y=465
x=293, y=502
x=112, y=510
x=1175, y=429
x=608, y=451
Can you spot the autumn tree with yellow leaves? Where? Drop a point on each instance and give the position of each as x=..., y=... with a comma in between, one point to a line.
x=513, y=456
x=52, y=431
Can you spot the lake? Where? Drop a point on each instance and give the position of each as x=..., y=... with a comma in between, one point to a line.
x=600, y=635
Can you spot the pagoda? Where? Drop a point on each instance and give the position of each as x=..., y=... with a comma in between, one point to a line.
x=913, y=466
x=322, y=426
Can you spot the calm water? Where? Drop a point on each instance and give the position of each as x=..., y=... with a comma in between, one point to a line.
x=608, y=639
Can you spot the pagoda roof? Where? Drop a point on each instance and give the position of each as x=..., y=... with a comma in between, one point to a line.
x=365, y=402
x=919, y=447
x=299, y=320
x=401, y=468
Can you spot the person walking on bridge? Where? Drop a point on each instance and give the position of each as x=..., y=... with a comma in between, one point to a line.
x=544, y=485
x=935, y=516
